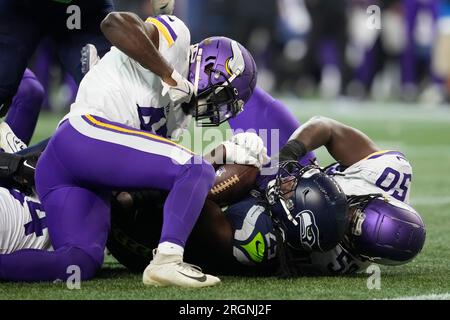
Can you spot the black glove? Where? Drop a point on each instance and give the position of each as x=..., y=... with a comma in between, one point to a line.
x=294, y=150
x=18, y=170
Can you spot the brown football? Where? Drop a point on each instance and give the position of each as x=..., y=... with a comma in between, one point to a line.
x=233, y=182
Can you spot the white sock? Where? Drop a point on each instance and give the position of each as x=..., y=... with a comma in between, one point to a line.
x=170, y=248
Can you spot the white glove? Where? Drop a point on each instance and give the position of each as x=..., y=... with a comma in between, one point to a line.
x=182, y=92
x=246, y=148
x=253, y=144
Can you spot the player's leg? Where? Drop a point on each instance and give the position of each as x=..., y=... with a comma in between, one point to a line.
x=70, y=42
x=19, y=35
x=78, y=224
x=26, y=105
x=101, y=155
x=263, y=112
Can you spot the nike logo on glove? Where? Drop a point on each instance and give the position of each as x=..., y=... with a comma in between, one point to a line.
x=199, y=279
x=26, y=164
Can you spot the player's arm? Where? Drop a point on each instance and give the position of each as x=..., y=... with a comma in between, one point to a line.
x=139, y=41
x=345, y=144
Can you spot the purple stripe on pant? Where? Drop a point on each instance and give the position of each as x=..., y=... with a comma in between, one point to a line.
x=74, y=178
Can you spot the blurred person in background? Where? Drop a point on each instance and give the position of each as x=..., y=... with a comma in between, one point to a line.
x=441, y=49
x=420, y=18
x=23, y=26
x=325, y=60
x=374, y=52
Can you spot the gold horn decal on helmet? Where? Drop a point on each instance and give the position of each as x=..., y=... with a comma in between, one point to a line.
x=227, y=67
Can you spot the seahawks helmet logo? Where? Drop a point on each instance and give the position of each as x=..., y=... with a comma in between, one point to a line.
x=309, y=233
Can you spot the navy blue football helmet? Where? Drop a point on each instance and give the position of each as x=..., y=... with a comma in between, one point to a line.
x=309, y=207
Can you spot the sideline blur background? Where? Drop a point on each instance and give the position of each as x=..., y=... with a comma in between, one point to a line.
x=310, y=48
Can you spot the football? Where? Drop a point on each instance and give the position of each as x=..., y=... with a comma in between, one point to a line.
x=233, y=182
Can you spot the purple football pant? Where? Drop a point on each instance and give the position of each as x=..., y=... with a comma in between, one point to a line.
x=86, y=159
x=26, y=105
x=263, y=112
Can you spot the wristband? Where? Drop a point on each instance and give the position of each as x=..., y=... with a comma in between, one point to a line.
x=292, y=151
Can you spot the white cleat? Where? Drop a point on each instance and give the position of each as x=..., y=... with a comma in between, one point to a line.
x=170, y=270
x=9, y=142
x=89, y=57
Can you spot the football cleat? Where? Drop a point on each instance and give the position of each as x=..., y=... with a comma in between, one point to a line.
x=9, y=142
x=170, y=270
x=89, y=57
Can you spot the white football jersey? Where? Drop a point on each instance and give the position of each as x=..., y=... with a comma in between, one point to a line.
x=387, y=172
x=119, y=89
x=22, y=223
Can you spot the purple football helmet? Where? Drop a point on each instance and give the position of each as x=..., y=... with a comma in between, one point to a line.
x=224, y=76
x=383, y=232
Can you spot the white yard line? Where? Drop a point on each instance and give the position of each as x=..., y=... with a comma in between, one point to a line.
x=441, y=296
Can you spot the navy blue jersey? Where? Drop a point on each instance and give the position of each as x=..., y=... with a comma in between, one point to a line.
x=254, y=240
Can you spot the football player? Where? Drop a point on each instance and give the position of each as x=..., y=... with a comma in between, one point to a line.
x=383, y=228
x=209, y=58
x=132, y=88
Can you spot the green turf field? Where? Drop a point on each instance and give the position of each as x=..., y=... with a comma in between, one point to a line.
x=422, y=134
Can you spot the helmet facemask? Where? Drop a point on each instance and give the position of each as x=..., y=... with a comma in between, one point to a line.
x=217, y=104
x=281, y=192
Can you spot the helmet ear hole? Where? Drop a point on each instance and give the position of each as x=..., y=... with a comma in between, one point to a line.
x=208, y=68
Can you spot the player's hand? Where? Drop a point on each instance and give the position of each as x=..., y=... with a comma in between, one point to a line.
x=179, y=93
x=239, y=155
x=253, y=144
